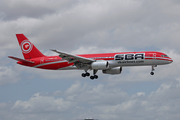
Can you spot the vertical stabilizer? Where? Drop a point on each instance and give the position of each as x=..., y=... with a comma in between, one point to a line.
x=28, y=49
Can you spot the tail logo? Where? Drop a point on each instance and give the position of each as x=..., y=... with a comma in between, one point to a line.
x=26, y=46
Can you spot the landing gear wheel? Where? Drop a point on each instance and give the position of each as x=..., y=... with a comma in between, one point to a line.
x=92, y=77
x=83, y=75
x=95, y=76
x=87, y=74
x=152, y=73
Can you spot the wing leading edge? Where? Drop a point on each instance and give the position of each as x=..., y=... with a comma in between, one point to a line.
x=73, y=58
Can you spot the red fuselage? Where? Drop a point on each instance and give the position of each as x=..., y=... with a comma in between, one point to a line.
x=56, y=63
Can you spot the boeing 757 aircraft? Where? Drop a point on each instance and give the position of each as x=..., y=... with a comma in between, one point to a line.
x=109, y=63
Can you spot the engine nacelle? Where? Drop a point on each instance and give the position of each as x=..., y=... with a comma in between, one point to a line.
x=100, y=65
x=113, y=71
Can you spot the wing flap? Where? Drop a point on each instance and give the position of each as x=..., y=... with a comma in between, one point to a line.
x=73, y=58
x=21, y=60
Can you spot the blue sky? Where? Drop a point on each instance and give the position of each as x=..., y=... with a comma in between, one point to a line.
x=91, y=26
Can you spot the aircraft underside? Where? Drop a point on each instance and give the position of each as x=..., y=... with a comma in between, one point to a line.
x=115, y=67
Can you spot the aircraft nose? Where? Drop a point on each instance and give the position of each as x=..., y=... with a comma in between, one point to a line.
x=170, y=60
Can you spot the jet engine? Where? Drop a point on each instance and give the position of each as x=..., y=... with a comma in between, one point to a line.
x=100, y=65
x=113, y=71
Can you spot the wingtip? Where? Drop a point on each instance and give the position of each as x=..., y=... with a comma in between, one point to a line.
x=10, y=56
x=53, y=50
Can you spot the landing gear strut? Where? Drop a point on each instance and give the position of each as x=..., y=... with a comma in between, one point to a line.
x=152, y=73
x=95, y=76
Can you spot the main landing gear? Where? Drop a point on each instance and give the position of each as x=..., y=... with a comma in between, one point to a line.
x=94, y=76
x=85, y=74
x=152, y=73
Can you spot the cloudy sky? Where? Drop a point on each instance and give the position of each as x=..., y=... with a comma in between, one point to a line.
x=90, y=26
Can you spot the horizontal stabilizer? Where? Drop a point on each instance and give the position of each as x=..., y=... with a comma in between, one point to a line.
x=21, y=60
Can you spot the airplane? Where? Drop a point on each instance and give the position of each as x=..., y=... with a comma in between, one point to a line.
x=109, y=63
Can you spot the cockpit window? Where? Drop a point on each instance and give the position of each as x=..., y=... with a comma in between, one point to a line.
x=164, y=56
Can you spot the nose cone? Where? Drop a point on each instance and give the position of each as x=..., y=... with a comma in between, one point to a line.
x=170, y=60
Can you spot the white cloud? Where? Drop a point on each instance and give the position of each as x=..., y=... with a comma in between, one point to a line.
x=99, y=101
x=141, y=94
x=75, y=88
x=98, y=24
x=8, y=75
x=37, y=103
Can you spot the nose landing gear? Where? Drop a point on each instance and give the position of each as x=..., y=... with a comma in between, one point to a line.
x=152, y=73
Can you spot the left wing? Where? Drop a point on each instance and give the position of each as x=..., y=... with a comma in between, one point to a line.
x=73, y=58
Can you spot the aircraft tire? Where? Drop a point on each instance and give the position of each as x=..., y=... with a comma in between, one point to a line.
x=92, y=77
x=87, y=74
x=83, y=75
x=152, y=73
x=95, y=76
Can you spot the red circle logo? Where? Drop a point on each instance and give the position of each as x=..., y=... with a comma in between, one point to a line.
x=26, y=46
